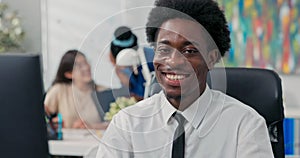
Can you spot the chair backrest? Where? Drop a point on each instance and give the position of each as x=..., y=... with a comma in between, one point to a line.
x=23, y=128
x=259, y=88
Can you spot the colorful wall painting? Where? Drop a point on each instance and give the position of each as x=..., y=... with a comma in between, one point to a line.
x=264, y=33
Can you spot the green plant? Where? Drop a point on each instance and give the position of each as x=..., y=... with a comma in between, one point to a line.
x=11, y=32
x=119, y=104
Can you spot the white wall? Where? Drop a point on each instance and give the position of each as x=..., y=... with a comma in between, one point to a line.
x=291, y=90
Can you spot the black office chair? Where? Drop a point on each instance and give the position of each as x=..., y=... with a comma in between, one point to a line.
x=259, y=88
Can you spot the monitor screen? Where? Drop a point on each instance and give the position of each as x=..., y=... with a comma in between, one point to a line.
x=104, y=98
x=23, y=129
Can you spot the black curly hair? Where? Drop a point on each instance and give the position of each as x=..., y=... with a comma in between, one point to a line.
x=123, y=34
x=205, y=12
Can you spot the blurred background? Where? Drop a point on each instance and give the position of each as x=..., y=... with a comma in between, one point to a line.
x=264, y=34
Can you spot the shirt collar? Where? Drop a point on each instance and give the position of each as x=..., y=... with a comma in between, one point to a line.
x=194, y=114
x=167, y=108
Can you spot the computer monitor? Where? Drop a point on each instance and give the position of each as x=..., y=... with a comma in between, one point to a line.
x=104, y=98
x=23, y=128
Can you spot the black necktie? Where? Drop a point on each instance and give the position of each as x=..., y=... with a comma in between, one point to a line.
x=179, y=137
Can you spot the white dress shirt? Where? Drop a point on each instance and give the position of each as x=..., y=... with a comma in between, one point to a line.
x=217, y=126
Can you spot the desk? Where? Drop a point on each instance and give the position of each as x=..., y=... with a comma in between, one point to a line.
x=71, y=147
x=75, y=142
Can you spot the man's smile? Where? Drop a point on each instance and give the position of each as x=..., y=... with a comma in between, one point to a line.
x=174, y=78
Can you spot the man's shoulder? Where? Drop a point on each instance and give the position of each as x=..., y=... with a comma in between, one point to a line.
x=145, y=105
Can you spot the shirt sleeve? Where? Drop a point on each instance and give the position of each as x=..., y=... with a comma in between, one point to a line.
x=116, y=141
x=52, y=99
x=253, y=139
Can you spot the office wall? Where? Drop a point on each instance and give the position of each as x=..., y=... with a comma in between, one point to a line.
x=291, y=98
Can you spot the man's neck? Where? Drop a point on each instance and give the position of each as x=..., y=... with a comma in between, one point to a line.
x=184, y=101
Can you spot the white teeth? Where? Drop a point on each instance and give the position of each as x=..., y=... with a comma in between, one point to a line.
x=175, y=77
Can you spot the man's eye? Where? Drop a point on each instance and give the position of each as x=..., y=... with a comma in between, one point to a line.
x=163, y=50
x=190, y=51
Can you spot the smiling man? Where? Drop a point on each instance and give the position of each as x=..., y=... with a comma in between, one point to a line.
x=180, y=66
x=187, y=118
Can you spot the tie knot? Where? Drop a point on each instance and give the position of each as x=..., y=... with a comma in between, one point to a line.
x=179, y=118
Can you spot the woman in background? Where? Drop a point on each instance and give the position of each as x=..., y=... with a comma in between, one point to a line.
x=71, y=93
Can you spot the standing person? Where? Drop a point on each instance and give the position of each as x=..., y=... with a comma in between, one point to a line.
x=187, y=118
x=125, y=38
x=71, y=93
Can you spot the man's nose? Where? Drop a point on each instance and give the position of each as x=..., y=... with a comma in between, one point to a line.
x=176, y=59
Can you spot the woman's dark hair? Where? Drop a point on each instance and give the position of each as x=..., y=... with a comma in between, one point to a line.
x=205, y=12
x=66, y=65
x=123, y=38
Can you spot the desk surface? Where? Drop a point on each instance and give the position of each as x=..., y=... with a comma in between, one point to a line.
x=75, y=142
x=71, y=147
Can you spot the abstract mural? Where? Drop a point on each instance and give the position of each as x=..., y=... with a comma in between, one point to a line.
x=264, y=33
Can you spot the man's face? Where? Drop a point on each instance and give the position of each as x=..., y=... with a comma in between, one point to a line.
x=181, y=69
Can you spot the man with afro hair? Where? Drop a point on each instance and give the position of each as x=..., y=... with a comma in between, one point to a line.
x=187, y=118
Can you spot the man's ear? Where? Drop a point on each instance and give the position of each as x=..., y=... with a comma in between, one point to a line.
x=68, y=75
x=212, y=58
